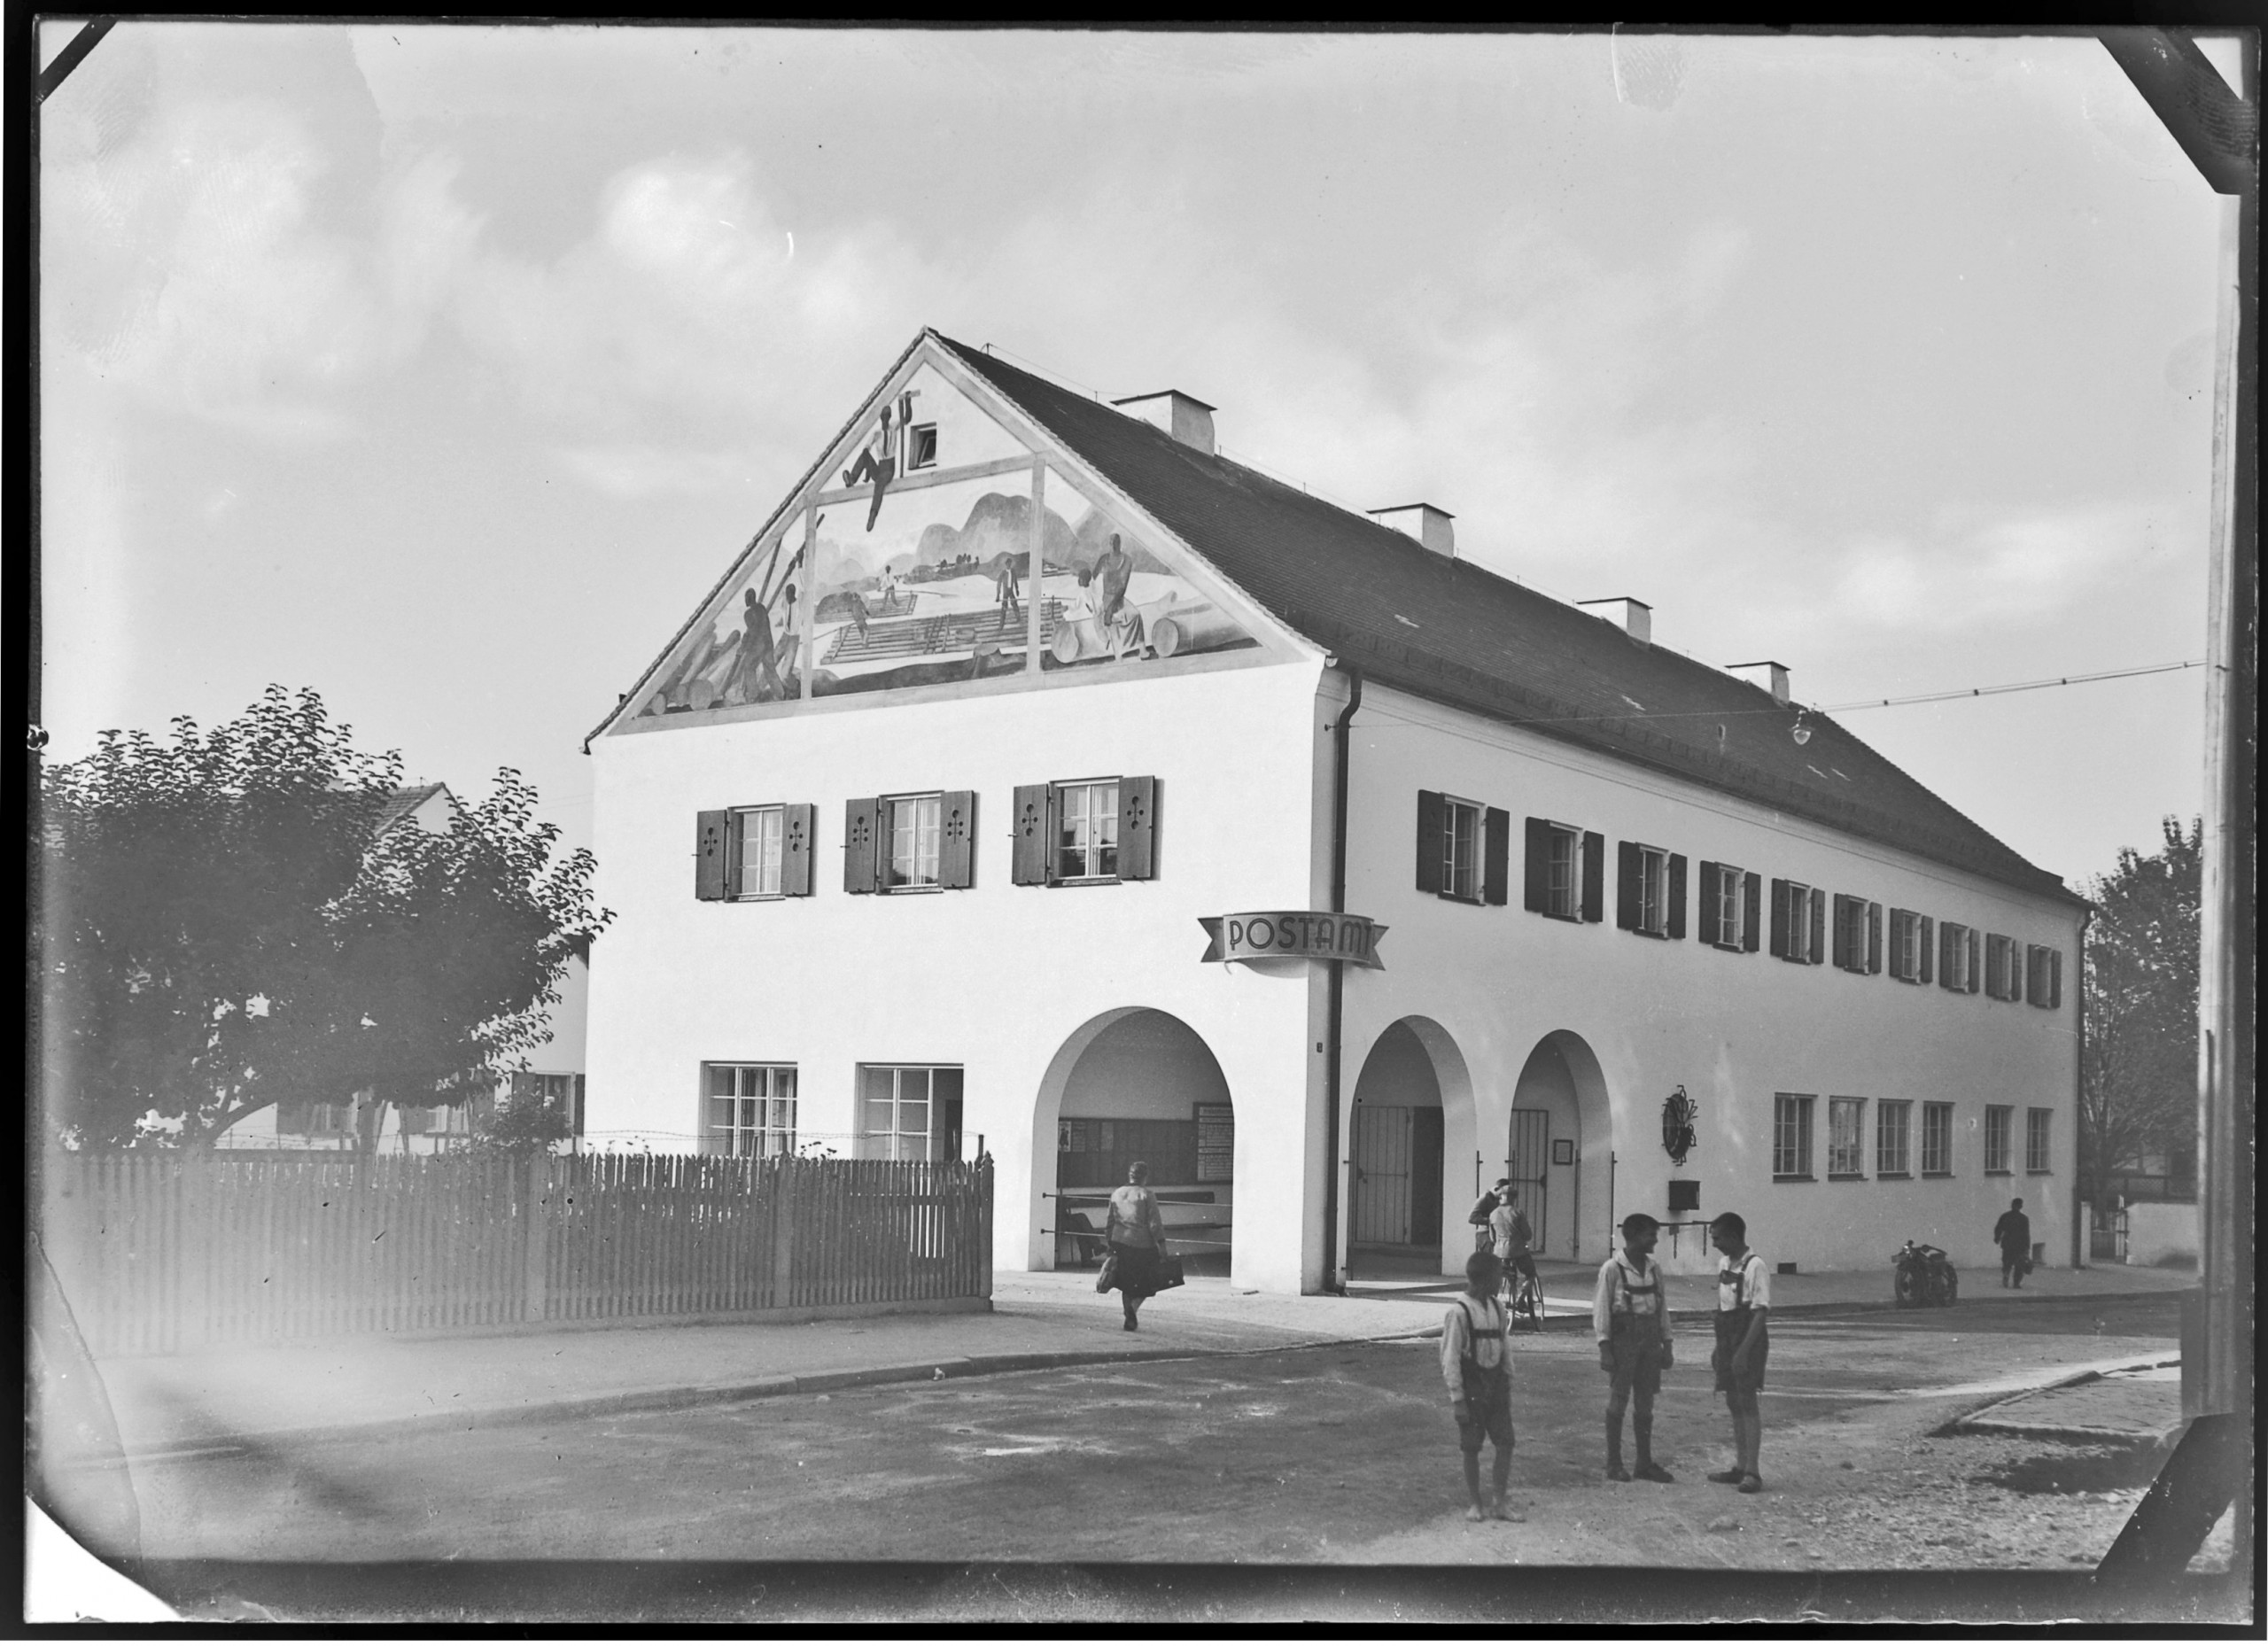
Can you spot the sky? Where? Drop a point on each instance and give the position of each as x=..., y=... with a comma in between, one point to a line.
x=444, y=369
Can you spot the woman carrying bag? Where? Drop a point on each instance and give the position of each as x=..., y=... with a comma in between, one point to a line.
x=1138, y=1265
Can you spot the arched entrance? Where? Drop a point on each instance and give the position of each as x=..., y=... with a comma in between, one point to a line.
x=1558, y=1147
x=1133, y=1085
x=1411, y=1122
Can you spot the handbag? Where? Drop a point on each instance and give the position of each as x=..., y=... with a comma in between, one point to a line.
x=1170, y=1272
x=1109, y=1275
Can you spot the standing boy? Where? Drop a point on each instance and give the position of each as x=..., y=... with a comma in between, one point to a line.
x=1630, y=1315
x=1477, y=1365
x=1743, y=1300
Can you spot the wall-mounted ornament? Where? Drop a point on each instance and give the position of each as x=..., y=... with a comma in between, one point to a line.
x=1678, y=1114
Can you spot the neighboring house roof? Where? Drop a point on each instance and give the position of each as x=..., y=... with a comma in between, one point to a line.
x=1451, y=630
x=405, y=804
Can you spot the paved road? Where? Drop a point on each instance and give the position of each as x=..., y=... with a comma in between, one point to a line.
x=1343, y=1454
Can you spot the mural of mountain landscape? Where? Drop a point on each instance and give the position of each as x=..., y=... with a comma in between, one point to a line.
x=937, y=601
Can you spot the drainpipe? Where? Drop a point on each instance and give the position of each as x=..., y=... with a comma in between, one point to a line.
x=2082, y=1236
x=1337, y=988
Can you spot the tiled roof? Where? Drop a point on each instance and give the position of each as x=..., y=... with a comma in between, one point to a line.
x=402, y=803
x=1453, y=631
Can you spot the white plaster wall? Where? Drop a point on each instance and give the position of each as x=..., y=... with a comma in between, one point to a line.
x=2157, y=1230
x=1143, y=1068
x=996, y=978
x=1732, y=1028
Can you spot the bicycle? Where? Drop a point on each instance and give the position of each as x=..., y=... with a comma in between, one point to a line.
x=1524, y=1298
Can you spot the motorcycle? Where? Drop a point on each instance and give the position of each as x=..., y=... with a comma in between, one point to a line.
x=1925, y=1277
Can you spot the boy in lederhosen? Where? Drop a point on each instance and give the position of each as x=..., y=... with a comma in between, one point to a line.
x=1630, y=1314
x=1743, y=1340
x=1477, y=1365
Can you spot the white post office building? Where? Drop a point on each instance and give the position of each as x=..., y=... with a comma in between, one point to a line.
x=1039, y=773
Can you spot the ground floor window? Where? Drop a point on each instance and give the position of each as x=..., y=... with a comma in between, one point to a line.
x=1846, y=1136
x=751, y=1109
x=2036, y=1124
x=1893, y=1139
x=1936, y=1139
x=2000, y=1129
x=1791, y=1135
x=909, y=1112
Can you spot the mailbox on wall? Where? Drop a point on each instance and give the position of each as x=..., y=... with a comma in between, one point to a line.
x=1684, y=1194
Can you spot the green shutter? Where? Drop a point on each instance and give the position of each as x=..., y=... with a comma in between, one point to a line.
x=1629, y=867
x=1873, y=937
x=1779, y=901
x=1676, y=910
x=1843, y=931
x=1712, y=888
x=1535, y=890
x=708, y=856
x=1925, y=946
x=1432, y=812
x=1028, y=857
x=1818, y=925
x=957, y=839
x=1496, y=860
x=796, y=834
x=1751, y=921
x=1138, y=828
x=1594, y=877
x=861, y=869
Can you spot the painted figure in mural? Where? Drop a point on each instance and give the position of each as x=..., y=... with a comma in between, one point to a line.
x=1136, y=1230
x=1744, y=1341
x=1630, y=1318
x=1113, y=569
x=1477, y=1365
x=757, y=678
x=1011, y=592
x=880, y=463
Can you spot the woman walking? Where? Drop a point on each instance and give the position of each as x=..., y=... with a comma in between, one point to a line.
x=1137, y=1232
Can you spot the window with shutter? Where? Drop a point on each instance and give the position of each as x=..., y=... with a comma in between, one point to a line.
x=1926, y=946
x=1433, y=815
x=2056, y=978
x=1816, y=951
x=1674, y=920
x=1713, y=909
x=1751, y=912
x=1536, y=867
x=1970, y=959
x=1782, y=899
x=795, y=860
x=1138, y=828
x=1873, y=937
x=860, y=858
x=709, y=856
x=957, y=839
x=1594, y=877
x=1905, y=945
x=1034, y=827
x=1627, y=893
x=1496, y=855
x=1843, y=925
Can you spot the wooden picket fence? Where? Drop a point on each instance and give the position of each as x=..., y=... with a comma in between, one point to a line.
x=159, y=1253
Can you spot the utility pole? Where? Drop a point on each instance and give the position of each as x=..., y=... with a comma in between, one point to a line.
x=2210, y=1465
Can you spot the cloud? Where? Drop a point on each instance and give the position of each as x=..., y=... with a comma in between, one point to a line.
x=1998, y=569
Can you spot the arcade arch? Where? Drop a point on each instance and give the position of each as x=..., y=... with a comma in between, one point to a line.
x=1558, y=1147
x=1133, y=1084
x=1410, y=1123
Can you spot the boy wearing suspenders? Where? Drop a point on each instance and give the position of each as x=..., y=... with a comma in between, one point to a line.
x=1477, y=1365
x=1743, y=1300
x=1630, y=1314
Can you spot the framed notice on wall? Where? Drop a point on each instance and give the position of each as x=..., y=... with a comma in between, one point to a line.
x=1216, y=1142
x=1563, y=1151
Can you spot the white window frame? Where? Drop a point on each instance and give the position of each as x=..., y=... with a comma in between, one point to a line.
x=1791, y=1135
x=1894, y=1119
x=1936, y=1139
x=2000, y=1152
x=1461, y=854
x=1732, y=907
x=1850, y=912
x=2038, y=1142
x=1653, y=890
x=896, y=1142
x=1563, y=901
x=1846, y=1159
x=1099, y=821
x=915, y=458
x=758, y=1117
x=1799, y=896
x=925, y=833
x=1954, y=962
x=1906, y=945
x=768, y=825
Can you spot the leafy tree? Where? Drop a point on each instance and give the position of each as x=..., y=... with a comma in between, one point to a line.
x=2139, y=1067
x=222, y=927
x=523, y=1124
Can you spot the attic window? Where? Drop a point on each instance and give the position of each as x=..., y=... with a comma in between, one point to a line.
x=921, y=446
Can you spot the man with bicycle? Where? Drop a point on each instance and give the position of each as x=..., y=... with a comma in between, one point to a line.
x=1512, y=1236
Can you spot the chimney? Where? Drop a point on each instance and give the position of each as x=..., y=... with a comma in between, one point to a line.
x=1186, y=418
x=1634, y=617
x=1428, y=524
x=1772, y=677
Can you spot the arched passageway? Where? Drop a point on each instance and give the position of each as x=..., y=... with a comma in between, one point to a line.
x=1410, y=1124
x=1558, y=1147
x=1133, y=1085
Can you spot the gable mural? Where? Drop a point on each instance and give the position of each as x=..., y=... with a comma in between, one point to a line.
x=908, y=575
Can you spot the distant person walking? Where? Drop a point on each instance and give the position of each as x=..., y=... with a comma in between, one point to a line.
x=1630, y=1316
x=1512, y=1236
x=1744, y=1301
x=1477, y=1365
x=1136, y=1230
x=2013, y=1235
